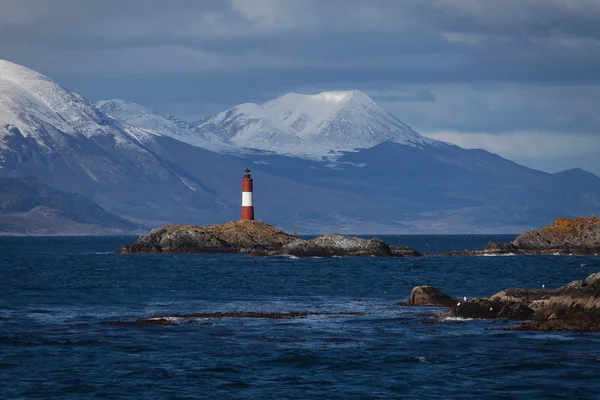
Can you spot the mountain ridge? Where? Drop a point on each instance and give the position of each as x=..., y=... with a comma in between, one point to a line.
x=138, y=170
x=30, y=207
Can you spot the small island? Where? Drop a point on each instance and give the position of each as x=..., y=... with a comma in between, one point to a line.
x=257, y=239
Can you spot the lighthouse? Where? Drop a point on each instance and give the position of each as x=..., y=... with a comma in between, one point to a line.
x=247, y=205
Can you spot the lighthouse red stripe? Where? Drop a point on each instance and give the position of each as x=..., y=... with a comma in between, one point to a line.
x=246, y=185
x=247, y=213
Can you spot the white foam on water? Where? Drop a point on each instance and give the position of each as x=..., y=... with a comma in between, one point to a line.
x=457, y=319
x=422, y=359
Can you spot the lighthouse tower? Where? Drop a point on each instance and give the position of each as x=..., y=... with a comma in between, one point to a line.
x=247, y=205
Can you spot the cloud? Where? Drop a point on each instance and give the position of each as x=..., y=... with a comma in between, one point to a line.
x=501, y=107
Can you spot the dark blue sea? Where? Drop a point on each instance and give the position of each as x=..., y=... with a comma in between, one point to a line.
x=60, y=299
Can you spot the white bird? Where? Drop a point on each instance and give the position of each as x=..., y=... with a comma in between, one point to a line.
x=465, y=298
x=458, y=304
x=543, y=286
x=491, y=308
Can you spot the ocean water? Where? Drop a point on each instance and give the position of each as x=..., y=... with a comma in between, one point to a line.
x=60, y=299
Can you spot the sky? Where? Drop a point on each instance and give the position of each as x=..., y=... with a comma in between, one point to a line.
x=520, y=78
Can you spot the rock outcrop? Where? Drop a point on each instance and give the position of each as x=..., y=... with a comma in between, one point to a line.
x=337, y=245
x=489, y=309
x=403, y=251
x=429, y=296
x=564, y=236
x=500, y=248
x=233, y=237
x=574, y=307
x=578, y=236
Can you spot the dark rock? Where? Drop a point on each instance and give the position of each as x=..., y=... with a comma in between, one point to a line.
x=337, y=245
x=574, y=307
x=500, y=248
x=459, y=253
x=402, y=251
x=522, y=295
x=489, y=309
x=430, y=296
x=233, y=237
x=563, y=318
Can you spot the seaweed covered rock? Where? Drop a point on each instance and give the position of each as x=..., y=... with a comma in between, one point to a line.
x=233, y=237
x=337, y=245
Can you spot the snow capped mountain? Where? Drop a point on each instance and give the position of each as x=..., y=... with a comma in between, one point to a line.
x=136, y=117
x=253, y=127
x=60, y=138
x=311, y=125
x=141, y=165
x=34, y=106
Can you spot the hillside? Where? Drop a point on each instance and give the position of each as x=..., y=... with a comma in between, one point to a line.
x=30, y=207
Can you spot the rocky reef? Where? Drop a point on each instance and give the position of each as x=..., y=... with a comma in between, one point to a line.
x=574, y=307
x=233, y=237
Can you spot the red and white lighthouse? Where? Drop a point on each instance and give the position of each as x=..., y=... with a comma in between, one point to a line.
x=247, y=205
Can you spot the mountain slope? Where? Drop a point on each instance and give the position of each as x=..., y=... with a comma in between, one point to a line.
x=28, y=206
x=160, y=124
x=311, y=125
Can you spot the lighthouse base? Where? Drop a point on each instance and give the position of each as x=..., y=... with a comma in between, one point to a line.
x=248, y=213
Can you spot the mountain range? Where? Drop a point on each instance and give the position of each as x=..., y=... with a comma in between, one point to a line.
x=334, y=161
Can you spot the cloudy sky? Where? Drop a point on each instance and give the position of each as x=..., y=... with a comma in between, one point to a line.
x=517, y=77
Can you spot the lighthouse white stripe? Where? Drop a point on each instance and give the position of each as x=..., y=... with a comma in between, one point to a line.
x=247, y=199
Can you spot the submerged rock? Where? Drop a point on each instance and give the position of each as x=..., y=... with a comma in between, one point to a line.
x=337, y=245
x=233, y=237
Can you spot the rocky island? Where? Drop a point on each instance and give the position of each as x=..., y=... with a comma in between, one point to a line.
x=233, y=237
x=574, y=307
x=257, y=239
x=563, y=236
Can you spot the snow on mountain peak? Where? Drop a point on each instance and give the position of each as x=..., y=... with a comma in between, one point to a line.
x=342, y=97
x=160, y=124
x=41, y=108
x=315, y=124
